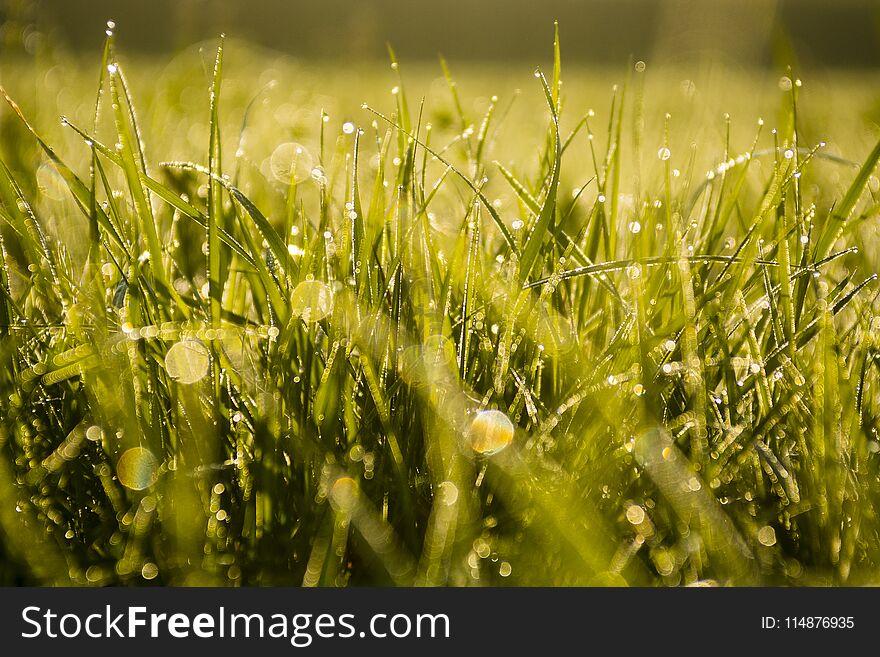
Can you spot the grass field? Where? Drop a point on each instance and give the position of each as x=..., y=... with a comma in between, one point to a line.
x=269, y=323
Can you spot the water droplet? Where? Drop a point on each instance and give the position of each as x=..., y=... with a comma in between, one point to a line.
x=664, y=154
x=50, y=183
x=490, y=432
x=788, y=153
x=312, y=301
x=517, y=224
x=290, y=162
x=767, y=536
x=137, y=468
x=348, y=127
x=344, y=494
x=635, y=227
x=601, y=198
x=447, y=493
x=111, y=69
x=634, y=271
x=149, y=571
x=187, y=361
x=640, y=66
x=504, y=569
x=635, y=514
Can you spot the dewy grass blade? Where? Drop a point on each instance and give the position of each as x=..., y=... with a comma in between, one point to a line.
x=132, y=160
x=215, y=204
x=835, y=224
x=543, y=225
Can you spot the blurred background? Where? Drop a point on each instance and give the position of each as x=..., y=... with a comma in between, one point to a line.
x=838, y=33
x=700, y=61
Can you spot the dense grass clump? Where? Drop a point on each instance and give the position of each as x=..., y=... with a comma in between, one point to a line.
x=383, y=357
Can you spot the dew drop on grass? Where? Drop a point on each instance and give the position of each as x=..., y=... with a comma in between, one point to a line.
x=447, y=493
x=439, y=350
x=149, y=571
x=312, y=301
x=344, y=494
x=348, y=127
x=635, y=227
x=490, y=432
x=137, y=468
x=291, y=162
x=635, y=514
x=767, y=536
x=634, y=271
x=187, y=361
x=505, y=569
x=50, y=183
x=664, y=154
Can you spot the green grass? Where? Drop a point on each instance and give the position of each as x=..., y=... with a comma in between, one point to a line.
x=227, y=359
